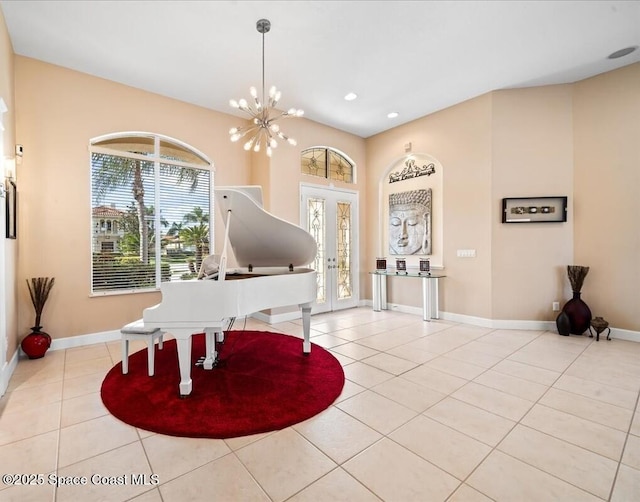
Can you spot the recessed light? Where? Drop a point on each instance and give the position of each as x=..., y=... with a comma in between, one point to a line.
x=351, y=96
x=392, y=115
x=622, y=52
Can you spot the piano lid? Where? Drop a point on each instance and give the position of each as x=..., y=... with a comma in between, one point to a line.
x=259, y=238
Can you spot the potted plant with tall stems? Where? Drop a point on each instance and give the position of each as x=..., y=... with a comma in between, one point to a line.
x=36, y=343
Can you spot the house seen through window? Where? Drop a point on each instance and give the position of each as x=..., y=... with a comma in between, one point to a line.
x=151, y=201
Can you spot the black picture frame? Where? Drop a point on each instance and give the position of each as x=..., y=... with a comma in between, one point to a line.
x=12, y=208
x=534, y=209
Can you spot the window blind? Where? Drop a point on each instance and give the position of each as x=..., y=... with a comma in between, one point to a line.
x=150, y=214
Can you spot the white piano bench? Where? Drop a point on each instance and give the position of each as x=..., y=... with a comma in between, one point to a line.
x=136, y=331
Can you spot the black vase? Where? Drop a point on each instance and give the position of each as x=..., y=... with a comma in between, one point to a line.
x=563, y=324
x=579, y=314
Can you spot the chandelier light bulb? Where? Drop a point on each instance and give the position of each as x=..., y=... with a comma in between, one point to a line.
x=262, y=112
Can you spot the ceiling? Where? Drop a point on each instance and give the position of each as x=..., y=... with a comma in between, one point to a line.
x=409, y=57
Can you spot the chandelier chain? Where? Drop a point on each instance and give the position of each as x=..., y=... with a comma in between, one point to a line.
x=263, y=101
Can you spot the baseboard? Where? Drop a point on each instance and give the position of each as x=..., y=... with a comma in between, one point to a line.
x=395, y=307
x=81, y=340
x=7, y=372
x=499, y=323
x=110, y=336
x=620, y=334
x=277, y=318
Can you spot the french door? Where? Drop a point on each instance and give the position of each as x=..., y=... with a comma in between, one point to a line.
x=331, y=217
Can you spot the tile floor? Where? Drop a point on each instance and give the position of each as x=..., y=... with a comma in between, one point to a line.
x=431, y=411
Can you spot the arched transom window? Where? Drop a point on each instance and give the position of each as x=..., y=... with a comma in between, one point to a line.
x=327, y=163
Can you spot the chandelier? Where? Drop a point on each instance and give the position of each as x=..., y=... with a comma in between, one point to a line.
x=263, y=130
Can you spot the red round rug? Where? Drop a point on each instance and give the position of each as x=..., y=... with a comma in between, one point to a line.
x=263, y=382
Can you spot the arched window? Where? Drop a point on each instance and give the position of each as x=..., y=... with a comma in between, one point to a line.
x=327, y=163
x=155, y=195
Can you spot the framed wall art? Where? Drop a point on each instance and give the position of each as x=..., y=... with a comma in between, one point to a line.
x=534, y=209
x=12, y=207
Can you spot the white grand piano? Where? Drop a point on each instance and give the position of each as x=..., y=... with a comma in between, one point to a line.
x=271, y=254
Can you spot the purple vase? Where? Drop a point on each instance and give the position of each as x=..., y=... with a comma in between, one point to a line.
x=579, y=314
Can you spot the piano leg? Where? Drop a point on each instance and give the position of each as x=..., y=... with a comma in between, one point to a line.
x=211, y=355
x=183, y=341
x=306, y=327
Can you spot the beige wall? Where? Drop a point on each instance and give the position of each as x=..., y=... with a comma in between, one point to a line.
x=8, y=275
x=607, y=188
x=60, y=110
x=580, y=140
x=532, y=156
x=460, y=139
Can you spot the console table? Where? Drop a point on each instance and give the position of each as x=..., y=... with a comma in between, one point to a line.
x=429, y=289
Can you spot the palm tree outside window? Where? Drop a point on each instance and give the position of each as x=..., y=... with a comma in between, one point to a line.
x=157, y=194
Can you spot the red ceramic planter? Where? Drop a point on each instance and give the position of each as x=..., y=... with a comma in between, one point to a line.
x=36, y=343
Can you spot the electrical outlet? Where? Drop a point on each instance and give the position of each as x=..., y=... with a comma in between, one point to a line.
x=555, y=306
